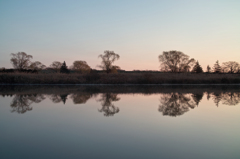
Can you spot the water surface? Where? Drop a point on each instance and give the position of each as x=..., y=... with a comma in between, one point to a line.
x=120, y=122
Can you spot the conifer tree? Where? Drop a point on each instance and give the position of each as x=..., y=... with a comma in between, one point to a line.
x=217, y=68
x=64, y=68
x=197, y=68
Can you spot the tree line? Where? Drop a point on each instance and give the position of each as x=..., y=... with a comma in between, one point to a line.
x=170, y=61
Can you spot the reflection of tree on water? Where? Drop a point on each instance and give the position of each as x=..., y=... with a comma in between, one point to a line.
x=197, y=97
x=227, y=98
x=217, y=97
x=80, y=98
x=21, y=103
x=175, y=104
x=107, y=107
x=57, y=98
x=231, y=98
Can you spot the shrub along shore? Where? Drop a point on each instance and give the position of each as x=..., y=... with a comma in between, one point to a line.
x=119, y=78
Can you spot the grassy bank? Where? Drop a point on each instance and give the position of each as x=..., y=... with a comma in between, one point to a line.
x=120, y=78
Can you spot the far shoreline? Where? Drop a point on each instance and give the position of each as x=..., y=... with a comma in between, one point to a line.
x=101, y=79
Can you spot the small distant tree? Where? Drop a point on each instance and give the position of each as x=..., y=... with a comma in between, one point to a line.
x=56, y=65
x=81, y=66
x=175, y=61
x=108, y=59
x=64, y=68
x=197, y=68
x=230, y=67
x=208, y=69
x=217, y=68
x=37, y=66
x=115, y=69
x=20, y=60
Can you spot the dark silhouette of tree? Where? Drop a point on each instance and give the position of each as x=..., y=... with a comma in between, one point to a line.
x=80, y=98
x=37, y=66
x=81, y=66
x=197, y=68
x=20, y=60
x=175, y=61
x=230, y=67
x=56, y=65
x=217, y=68
x=64, y=68
x=107, y=107
x=108, y=58
x=175, y=104
x=208, y=69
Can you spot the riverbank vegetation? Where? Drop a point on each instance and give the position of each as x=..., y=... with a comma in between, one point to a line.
x=175, y=68
x=119, y=78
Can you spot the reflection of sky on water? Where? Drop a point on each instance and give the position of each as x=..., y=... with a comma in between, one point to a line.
x=73, y=126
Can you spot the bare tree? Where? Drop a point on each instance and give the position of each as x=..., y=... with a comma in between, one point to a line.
x=175, y=61
x=56, y=65
x=230, y=67
x=108, y=59
x=37, y=65
x=20, y=60
x=81, y=66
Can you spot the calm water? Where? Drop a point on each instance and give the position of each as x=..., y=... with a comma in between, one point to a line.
x=119, y=122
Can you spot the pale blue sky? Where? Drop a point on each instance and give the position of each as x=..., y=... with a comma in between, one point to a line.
x=139, y=31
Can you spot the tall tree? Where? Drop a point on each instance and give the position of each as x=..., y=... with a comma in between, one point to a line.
x=81, y=66
x=230, y=67
x=197, y=68
x=108, y=58
x=20, y=60
x=217, y=68
x=175, y=61
x=64, y=68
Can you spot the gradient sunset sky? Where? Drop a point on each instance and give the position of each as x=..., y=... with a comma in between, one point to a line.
x=138, y=30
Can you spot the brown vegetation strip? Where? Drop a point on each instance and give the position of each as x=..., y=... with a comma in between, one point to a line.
x=120, y=78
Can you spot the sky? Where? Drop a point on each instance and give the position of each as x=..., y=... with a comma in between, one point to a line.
x=138, y=30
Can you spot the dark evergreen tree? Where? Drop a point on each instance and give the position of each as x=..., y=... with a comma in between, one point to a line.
x=64, y=68
x=197, y=68
x=64, y=98
x=217, y=68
